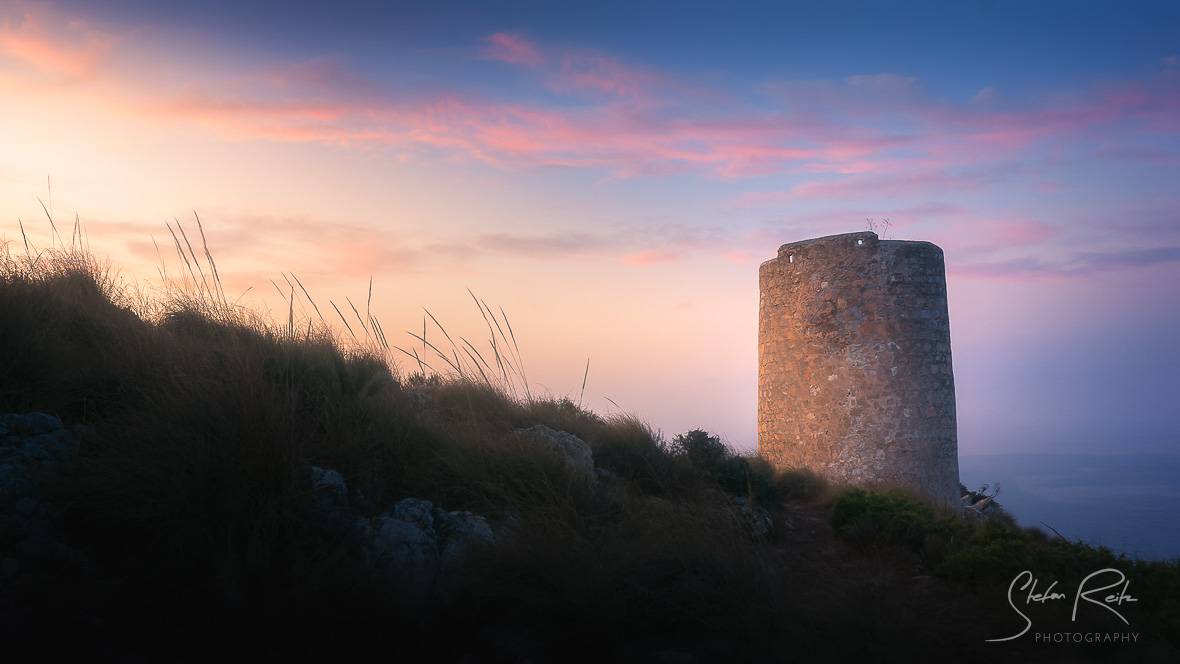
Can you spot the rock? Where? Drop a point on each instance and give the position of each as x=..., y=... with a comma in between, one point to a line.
x=48, y=447
x=331, y=494
x=414, y=510
x=417, y=539
x=461, y=532
x=979, y=505
x=30, y=445
x=402, y=545
x=574, y=450
x=27, y=506
x=756, y=519
x=30, y=424
x=414, y=540
x=14, y=481
x=33, y=442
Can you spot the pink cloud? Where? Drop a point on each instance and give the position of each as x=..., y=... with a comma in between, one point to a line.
x=513, y=49
x=651, y=257
x=874, y=135
x=1077, y=264
x=737, y=256
x=597, y=73
x=573, y=71
x=305, y=245
x=894, y=184
x=53, y=47
x=635, y=134
x=970, y=236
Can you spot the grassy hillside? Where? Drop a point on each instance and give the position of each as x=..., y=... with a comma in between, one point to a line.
x=186, y=516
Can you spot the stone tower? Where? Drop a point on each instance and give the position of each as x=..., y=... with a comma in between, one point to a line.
x=854, y=363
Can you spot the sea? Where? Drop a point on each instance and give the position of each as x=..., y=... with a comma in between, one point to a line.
x=1129, y=503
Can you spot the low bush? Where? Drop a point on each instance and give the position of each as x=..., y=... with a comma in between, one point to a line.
x=985, y=555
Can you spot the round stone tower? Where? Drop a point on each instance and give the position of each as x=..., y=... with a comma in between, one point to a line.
x=854, y=363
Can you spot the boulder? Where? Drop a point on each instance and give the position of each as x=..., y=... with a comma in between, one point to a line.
x=574, y=450
x=980, y=505
x=330, y=496
x=756, y=519
x=403, y=540
x=31, y=444
x=30, y=424
x=461, y=532
x=416, y=538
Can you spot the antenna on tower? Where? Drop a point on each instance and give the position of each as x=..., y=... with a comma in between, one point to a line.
x=879, y=226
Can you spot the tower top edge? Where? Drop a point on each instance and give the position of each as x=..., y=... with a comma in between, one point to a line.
x=865, y=237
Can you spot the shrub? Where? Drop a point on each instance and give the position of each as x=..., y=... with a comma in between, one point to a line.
x=887, y=518
x=985, y=555
x=799, y=484
x=735, y=474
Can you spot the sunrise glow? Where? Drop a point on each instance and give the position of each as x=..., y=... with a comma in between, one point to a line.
x=615, y=188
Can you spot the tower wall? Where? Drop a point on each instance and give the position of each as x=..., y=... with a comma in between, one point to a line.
x=854, y=363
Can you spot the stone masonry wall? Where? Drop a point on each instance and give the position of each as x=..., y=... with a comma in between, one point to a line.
x=854, y=363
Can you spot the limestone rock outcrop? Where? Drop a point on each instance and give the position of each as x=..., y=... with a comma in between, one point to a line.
x=577, y=454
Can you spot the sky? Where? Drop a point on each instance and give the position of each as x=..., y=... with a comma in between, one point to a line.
x=613, y=173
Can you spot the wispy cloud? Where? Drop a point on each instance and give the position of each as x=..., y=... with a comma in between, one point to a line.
x=534, y=246
x=241, y=241
x=1081, y=263
x=874, y=134
x=52, y=48
x=651, y=257
x=844, y=144
x=595, y=73
x=891, y=185
x=514, y=49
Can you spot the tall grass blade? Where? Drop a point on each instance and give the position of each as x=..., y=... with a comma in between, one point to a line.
x=477, y=353
x=585, y=375
x=454, y=365
x=180, y=251
x=516, y=350
x=24, y=237
x=492, y=336
x=358, y=317
x=51, y=224
x=421, y=363
x=440, y=327
x=204, y=282
x=379, y=333
x=308, y=296
x=478, y=368
x=342, y=320
x=162, y=268
x=209, y=258
x=248, y=289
